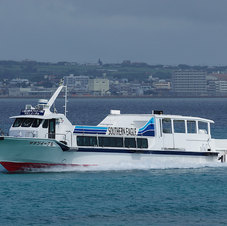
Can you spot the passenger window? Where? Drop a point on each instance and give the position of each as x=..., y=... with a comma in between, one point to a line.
x=27, y=122
x=166, y=125
x=142, y=143
x=179, y=126
x=203, y=127
x=130, y=142
x=45, y=123
x=191, y=126
x=110, y=142
x=36, y=122
x=86, y=141
x=18, y=122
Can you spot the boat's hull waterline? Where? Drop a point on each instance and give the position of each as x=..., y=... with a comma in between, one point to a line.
x=31, y=154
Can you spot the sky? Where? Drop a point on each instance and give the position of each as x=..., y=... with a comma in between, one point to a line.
x=168, y=32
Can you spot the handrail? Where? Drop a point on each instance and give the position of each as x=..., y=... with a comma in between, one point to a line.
x=60, y=134
x=56, y=134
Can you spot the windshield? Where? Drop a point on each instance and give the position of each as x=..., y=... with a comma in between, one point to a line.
x=18, y=122
x=27, y=122
x=36, y=123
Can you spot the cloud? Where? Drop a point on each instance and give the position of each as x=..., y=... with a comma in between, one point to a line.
x=154, y=31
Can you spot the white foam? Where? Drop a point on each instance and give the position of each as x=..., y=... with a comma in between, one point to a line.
x=142, y=165
x=129, y=166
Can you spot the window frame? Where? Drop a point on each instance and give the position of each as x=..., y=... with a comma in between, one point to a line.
x=84, y=142
x=203, y=129
x=176, y=128
x=190, y=121
x=164, y=128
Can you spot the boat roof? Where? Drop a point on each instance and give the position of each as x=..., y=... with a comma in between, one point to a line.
x=48, y=116
x=181, y=117
x=136, y=120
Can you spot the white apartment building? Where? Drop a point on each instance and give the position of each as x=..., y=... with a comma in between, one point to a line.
x=99, y=86
x=189, y=83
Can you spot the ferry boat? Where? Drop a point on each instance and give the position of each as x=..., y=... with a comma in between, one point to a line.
x=42, y=138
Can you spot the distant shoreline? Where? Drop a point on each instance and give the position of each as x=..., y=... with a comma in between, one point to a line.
x=114, y=97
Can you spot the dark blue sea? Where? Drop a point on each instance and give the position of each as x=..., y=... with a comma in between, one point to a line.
x=145, y=196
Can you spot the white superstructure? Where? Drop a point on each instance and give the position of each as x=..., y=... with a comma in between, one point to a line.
x=41, y=138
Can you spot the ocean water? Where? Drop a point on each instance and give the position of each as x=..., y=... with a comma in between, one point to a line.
x=122, y=195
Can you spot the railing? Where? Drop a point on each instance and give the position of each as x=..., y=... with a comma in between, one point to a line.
x=55, y=135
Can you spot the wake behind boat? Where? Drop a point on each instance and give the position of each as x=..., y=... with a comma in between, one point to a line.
x=42, y=138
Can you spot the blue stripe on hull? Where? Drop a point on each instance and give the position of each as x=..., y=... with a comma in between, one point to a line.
x=148, y=129
x=90, y=130
x=154, y=152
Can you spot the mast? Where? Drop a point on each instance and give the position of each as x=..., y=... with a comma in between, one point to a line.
x=55, y=95
x=66, y=101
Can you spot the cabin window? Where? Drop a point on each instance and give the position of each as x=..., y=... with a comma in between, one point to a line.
x=166, y=125
x=142, y=143
x=130, y=142
x=203, y=127
x=191, y=126
x=110, y=142
x=18, y=122
x=45, y=123
x=36, y=123
x=179, y=126
x=27, y=122
x=86, y=141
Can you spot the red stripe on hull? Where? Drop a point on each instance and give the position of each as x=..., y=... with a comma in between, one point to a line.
x=25, y=166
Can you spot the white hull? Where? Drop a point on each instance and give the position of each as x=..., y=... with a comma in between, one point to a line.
x=18, y=154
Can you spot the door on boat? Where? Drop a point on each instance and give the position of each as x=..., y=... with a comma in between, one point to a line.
x=179, y=133
x=51, y=129
x=167, y=133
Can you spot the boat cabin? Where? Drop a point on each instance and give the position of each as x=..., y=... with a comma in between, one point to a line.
x=40, y=122
x=147, y=131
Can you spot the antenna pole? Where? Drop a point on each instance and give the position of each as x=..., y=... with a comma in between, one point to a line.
x=65, y=106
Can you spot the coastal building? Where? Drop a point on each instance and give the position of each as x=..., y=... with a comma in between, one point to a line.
x=136, y=89
x=211, y=85
x=189, y=83
x=217, y=83
x=19, y=92
x=98, y=86
x=119, y=88
x=77, y=84
x=162, y=85
x=35, y=91
x=221, y=87
x=41, y=92
x=19, y=82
